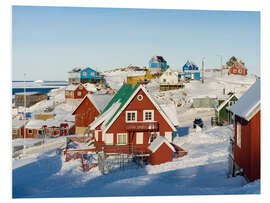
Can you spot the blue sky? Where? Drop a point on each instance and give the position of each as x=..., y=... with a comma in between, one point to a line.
x=47, y=42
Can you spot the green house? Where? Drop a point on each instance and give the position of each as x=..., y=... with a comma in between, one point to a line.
x=222, y=114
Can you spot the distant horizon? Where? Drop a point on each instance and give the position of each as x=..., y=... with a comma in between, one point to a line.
x=47, y=42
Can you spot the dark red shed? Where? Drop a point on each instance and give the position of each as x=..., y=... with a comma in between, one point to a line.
x=161, y=151
x=245, y=145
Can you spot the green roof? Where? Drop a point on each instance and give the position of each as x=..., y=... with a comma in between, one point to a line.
x=122, y=96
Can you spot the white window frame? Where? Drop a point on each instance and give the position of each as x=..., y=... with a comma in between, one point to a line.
x=84, y=73
x=67, y=93
x=92, y=74
x=96, y=135
x=130, y=121
x=79, y=93
x=234, y=70
x=144, y=115
x=140, y=97
x=239, y=71
x=122, y=134
x=80, y=87
x=238, y=134
x=139, y=138
x=14, y=131
x=108, y=138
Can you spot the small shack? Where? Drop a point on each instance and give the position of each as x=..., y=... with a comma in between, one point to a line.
x=31, y=98
x=161, y=151
x=223, y=116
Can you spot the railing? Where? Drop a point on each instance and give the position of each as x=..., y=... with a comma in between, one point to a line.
x=142, y=126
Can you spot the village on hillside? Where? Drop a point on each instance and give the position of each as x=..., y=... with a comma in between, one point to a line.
x=140, y=131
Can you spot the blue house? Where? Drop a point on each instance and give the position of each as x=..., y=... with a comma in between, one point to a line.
x=157, y=64
x=86, y=75
x=190, y=71
x=190, y=66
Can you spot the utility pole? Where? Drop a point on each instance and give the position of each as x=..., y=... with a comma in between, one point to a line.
x=203, y=70
x=220, y=64
x=24, y=134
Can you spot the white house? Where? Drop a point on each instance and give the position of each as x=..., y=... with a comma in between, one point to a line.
x=169, y=77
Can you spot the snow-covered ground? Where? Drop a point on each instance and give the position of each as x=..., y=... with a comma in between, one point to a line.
x=202, y=172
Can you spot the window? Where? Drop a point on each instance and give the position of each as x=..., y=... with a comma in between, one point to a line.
x=80, y=87
x=79, y=93
x=131, y=116
x=14, y=131
x=84, y=73
x=164, y=80
x=139, y=138
x=67, y=93
x=108, y=138
x=170, y=73
x=239, y=71
x=92, y=73
x=121, y=138
x=140, y=97
x=234, y=70
x=148, y=115
x=30, y=131
x=238, y=134
x=153, y=136
x=40, y=132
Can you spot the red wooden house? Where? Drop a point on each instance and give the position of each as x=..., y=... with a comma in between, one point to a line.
x=237, y=69
x=88, y=110
x=18, y=128
x=75, y=91
x=130, y=122
x=245, y=145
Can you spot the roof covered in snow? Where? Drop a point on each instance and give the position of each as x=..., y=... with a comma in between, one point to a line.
x=225, y=102
x=28, y=93
x=90, y=87
x=18, y=123
x=71, y=87
x=171, y=112
x=249, y=103
x=158, y=142
x=35, y=124
x=100, y=100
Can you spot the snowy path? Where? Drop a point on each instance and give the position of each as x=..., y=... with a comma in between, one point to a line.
x=202, y=171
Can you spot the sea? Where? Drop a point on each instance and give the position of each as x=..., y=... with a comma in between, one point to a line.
x=36, y=86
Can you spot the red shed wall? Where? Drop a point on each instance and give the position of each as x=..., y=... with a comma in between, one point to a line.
x=248, y=156
x=85, y=114
x=162, y=155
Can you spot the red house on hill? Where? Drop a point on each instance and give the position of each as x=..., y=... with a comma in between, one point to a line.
x=237, y=69
x=245, y=154
x=75, y=91
x=131, y=121
x=88, y=110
